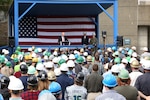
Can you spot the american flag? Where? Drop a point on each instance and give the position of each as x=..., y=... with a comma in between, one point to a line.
x=46, y=30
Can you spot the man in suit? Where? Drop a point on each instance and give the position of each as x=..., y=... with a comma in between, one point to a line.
x=62, y=40
x=85, y=39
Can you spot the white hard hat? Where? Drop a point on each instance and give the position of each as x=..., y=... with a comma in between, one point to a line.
x=51, y=57
x=70, y=63
x=3, y=50
x=39, y=49
x=64, y=57
x=64, y=67
x=132, y=59
x=57, y=71
x=15, y=84
x=146, y=64
x=39, y=66
x=115, y=69
x=49, y=65
x=133, y=48
x=134, y=54
x=45, y=58
x=55, y=53
x=109, y=49
x=145, y=49
x=124, y=60
x=120, y=49
x=55, y=60
x=85, y=54
x=71, y=57
x=29, y=49
x=75, y=51
x=6, y=52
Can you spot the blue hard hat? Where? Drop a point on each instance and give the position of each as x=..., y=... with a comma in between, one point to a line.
x=55, y=88
x=114, y=48
x=110, y=80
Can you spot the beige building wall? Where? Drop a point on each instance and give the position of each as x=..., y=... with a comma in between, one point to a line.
x=127, y=22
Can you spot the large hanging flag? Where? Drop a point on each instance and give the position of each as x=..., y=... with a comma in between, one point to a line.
x=46, y=30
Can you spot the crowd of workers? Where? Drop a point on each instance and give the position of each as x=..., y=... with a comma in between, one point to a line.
x=75, y=74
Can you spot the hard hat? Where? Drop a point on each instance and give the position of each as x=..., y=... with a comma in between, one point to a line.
x=70, y=63
x=64, y=57
x=116, y=53
x=80, y=59
x=124, y=61
x=80, y=77
x=4, y=80
x=30, y=49
x=45, y=58
x=134, y=54
x=15, y=84
x=117, y=60
x=64, y=67
x=133, y=48
x=42, y=75
x=2, y=59
x=39, y=66
x=3, y=50
x=34, y=60
x=135, y=64
x=18, y=48
x=114, y=48
x=55, y=60
x=39, y=49
x=46, y=95
x=55, y=88
x=57, y=71
x=23, y=68
x=132, y=59
x=8, y=63
x=89, y=58
x=109, y=80
x=124, y=74
x=145, y=49
x=81, y=50
x=115, y=69
x=71, y=57
x=120, y=49
x=130, y=52
x=55, y=53
x=85, y=54
x=61, y=61
x=16, y=60
x=31, y=70
x=146, y=64
x=51, y=76
x=32, y=80
x=109, y=49
x=51, y=57
x=49, y=65
x=6, y=52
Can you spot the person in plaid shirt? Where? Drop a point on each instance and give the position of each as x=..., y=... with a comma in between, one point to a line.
x=32, y=93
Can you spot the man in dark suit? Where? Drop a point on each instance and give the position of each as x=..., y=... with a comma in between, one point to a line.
x=62, y=40
x=85, y=39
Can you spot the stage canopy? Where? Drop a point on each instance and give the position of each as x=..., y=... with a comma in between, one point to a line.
x=62, y=8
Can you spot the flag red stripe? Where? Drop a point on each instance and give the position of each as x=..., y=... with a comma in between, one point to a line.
x=39, y=43
x=65, y=23
x=56, y=37
x=65, y=30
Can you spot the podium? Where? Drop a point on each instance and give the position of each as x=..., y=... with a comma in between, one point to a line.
x=65, y=43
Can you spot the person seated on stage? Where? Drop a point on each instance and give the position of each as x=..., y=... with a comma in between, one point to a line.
x=85, y=39
x=62, y=40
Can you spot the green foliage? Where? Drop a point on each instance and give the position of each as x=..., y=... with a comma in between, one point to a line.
x=4, y=5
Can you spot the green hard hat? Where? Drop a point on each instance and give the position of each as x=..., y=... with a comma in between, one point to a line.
x=130, y=52
x=117, y=60
x=61, y=61
x=18, y=48
x=2, y=59
x=36, y=50
x=8, y=63
x=128, y=58
x=16, y=59
x=124, y=74
x=80, y=59
x=17, y=68
x=31, y=70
